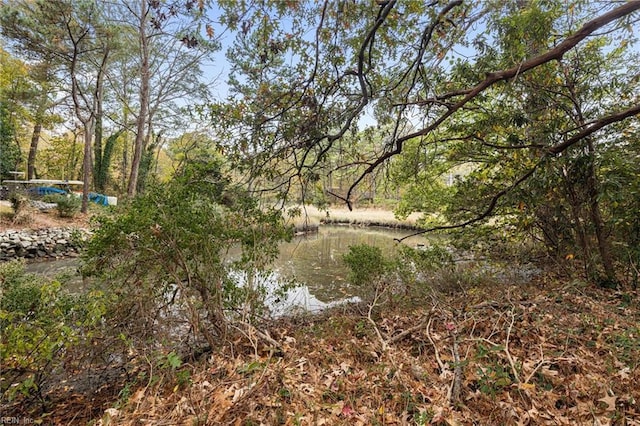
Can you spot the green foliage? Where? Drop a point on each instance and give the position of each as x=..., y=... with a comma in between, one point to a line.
x=8, y=148
x=172, y=361
x=189, y=250
x=407, y=275
x=505, y=142
x=62, y=157
x=430, y=258
x=67, y=205
x=493, y=374
x=367, y=264
x=101, y=172
x=40, y=324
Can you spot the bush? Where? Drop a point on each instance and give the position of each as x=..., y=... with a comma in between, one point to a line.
x=40, y=323
x=166, y=256
x=67, y=205
x=407, y=275
x=366, y=263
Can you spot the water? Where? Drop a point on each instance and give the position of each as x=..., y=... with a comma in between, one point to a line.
x=313, y=260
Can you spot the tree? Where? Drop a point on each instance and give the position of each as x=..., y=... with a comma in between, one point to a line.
x=503, y=135
x=380, y=61
x=42, y=101
x=429, y=73
x=29, y=89
x=13, y=85
x=65, y=31
x=10, y=152
x=167, y=62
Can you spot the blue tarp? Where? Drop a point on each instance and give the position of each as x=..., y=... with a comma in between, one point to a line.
x=46, y=190
x=98, y=198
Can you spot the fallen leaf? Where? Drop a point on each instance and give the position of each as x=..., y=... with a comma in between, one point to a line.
x=624, y=373
x=527, y=386
x=610, y=401
x=347, y=411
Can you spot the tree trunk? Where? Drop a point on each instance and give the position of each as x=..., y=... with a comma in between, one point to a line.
x=86, y=164
x=98, y=182
x=592, y=189
x=596, y=218
x=579, y=229
x=144, y=104
x=33, y=150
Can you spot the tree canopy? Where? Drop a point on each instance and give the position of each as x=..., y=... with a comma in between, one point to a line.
x=471, y=110
x=305, y=74
x=518, y=100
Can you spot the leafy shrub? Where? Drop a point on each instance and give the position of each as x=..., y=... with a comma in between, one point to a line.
x=167, y=255
x=39, y=323
x=67, y=206
x=409, y=275
x=426, y=259
x=367, y=264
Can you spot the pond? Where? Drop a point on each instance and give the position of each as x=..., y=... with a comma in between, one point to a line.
x=313, y=260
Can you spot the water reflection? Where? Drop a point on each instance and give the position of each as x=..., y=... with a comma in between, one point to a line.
x=314, y=260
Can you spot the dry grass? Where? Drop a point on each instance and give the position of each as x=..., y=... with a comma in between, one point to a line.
x=36, y=219
x=312, y=216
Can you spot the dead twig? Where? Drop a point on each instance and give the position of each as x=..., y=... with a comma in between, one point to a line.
x=251, y=329
x=435, y=348
x=539, y=364
x=506, y=348
x=377, y=296
x=408, y=331
x=456, y=384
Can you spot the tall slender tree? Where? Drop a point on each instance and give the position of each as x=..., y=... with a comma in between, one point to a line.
x=64, y=31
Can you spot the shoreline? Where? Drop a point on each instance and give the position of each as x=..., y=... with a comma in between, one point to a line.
x=311, y=217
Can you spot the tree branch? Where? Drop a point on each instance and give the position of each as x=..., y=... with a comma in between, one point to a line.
x=494, y=77
x=556, y=149
x=597, y=125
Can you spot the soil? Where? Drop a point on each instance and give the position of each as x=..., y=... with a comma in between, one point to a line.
x=37, y=219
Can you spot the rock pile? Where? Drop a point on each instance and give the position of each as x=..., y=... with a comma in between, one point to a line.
x=42, y=243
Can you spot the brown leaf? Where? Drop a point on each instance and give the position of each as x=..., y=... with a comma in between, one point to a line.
x=610, y=401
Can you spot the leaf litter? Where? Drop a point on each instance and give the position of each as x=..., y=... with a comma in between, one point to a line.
x=546, y=353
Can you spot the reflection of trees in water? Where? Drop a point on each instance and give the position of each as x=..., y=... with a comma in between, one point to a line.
x=316, y=260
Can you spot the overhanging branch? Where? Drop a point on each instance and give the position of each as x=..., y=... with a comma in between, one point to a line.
x=556, y=149
x=554, y=54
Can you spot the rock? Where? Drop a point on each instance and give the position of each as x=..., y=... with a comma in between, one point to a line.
x=54, y=242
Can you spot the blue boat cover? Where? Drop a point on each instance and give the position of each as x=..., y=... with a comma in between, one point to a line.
x=98, y=198
x=46, y=190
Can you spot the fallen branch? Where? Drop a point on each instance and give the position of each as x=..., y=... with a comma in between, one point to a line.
x=506, y=349
x=383, y=342
x=262, y=335
x=435, y=348
x=456, y=385
x=538, y=365
x=408, y=331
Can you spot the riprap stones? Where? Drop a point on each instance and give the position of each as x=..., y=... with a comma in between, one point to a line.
x=42, y=243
